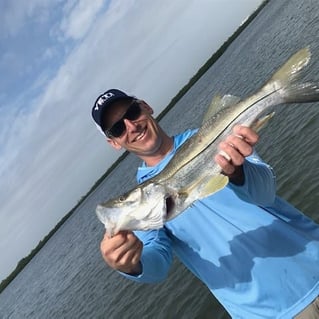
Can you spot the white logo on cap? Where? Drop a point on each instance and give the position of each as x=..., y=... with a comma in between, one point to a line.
x=102, y=99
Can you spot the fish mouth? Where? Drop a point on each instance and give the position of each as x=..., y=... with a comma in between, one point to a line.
x=169, y=206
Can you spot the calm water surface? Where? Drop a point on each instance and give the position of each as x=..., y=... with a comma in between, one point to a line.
x=68, y=278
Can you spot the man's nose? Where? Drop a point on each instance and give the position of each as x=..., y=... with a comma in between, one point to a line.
x=130, y=125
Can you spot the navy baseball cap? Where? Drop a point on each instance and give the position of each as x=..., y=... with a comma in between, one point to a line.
x=103, y=102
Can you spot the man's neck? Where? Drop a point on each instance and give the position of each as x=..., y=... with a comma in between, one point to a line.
x=166, y=147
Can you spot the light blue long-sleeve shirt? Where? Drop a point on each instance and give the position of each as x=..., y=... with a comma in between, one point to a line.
x=256, y=253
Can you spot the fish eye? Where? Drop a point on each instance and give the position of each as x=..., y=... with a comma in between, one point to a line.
x=122, y=198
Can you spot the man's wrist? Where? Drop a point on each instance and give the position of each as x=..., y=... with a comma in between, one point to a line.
x=238, y=176
x=134, y=271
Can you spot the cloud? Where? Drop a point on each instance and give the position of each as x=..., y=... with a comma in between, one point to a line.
x=16, y=14
x=79, y=17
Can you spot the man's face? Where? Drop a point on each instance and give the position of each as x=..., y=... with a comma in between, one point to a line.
x=141, y=136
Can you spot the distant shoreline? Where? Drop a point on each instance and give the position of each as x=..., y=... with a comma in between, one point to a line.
x=23, y=262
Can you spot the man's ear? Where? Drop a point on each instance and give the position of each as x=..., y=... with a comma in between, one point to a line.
x=114, y=144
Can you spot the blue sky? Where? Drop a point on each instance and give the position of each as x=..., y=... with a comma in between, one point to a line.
x=56, y=56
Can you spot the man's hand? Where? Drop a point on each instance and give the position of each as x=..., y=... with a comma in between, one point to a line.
x=122, y=252
x=234, y=149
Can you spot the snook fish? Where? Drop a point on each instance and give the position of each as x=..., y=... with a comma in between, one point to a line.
x=192, y=173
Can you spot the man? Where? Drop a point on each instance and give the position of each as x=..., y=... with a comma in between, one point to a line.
x=255, y=252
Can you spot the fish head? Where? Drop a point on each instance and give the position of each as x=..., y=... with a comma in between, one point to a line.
x=142, y=208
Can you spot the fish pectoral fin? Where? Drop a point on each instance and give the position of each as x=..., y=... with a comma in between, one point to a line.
x=200, y=188
x=215, y=184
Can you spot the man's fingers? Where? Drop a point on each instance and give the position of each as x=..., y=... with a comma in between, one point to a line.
x=235, y=148
x=131, y=255
x=226, y=166
x=250, y=136
x=239, y=144
x=235, y=151
x=122, y=251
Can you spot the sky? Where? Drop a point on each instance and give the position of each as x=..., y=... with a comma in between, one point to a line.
x=56, y=57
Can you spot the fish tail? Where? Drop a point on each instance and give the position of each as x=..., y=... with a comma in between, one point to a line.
x=284, y=80
x=301, y=93
x=291, y=70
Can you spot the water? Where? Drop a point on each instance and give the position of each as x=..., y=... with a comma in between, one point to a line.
x=68, y=278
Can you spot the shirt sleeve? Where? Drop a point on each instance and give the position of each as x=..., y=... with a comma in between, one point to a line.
x=260, y=182
x=156, y=257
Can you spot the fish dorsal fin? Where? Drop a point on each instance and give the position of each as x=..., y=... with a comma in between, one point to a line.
x=218, y=103
x=213, y=107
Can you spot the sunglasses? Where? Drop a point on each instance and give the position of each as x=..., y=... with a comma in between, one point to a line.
x=133, y=113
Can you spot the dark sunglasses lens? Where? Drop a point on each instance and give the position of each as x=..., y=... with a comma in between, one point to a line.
x=132, y=114
x=117, y=129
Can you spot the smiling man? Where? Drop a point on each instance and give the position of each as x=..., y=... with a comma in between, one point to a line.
x=256, y=253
